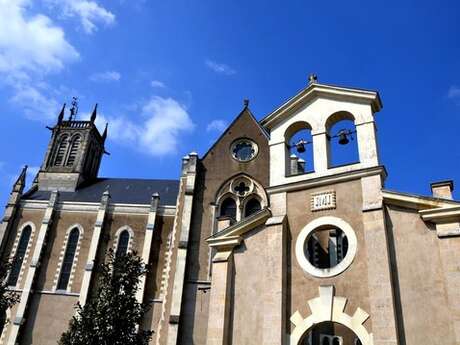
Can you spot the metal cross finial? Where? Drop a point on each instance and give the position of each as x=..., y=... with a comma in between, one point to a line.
x=74, y=109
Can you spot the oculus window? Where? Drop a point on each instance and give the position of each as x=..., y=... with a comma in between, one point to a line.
x=244, y=150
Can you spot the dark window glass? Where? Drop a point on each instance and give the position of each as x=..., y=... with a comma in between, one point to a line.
x=252, y=206
x=19, y=256
x=68, y=259
x=336, y=341
x=325, y=341
x=228, y=208
x=73, y=150
x=123, y=241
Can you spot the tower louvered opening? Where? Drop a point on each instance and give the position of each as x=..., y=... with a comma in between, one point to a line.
x=74, y=150
x=61, y=150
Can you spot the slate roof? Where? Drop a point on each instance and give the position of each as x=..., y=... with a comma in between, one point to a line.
x=124, y=191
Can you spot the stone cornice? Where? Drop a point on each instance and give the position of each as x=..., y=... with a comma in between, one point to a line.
x=328, y=180
x=416, y=202
x=232, y=236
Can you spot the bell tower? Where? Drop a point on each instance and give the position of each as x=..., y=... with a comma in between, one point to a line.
x=74, y=152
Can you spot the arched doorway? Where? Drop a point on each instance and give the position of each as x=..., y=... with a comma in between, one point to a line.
x=330, y=333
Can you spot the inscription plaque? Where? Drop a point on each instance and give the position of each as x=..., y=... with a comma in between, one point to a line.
x=323, y=200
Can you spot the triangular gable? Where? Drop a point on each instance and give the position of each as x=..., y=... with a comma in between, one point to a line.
x=246, y=112
x=315, y=90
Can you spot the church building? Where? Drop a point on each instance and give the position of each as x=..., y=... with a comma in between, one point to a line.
x=267, y=238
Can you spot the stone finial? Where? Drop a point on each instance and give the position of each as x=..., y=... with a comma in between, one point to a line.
x=94, y=114
x=193, y=153
x=21, y=181
x=312, y=78
x=442, y=189
x=61, y=115
x=104, y=135
x=246, y=102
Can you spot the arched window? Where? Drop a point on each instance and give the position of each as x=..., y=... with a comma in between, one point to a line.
x=2, y=320
x=299, y=149
x=228, y=208
x=123, y=242
x=61, y=150
x=252, y=206
x=69, y=256
x=19, y=256
x=325, y=341
x=74, y=147
x=343, y=145
x=336, y=341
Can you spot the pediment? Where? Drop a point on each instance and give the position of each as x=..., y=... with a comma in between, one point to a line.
x=317, y=90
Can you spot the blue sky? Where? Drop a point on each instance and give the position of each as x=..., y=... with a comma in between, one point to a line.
x=169, y=75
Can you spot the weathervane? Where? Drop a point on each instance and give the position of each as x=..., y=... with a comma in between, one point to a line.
x=73, y=109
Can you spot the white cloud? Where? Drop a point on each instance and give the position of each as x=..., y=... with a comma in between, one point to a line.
x=454, y=92
x=31, y=46
x=220, y=67
x=158, y=84
x=105, y=76
x=31, y=43
x=89, y=12
x=164, y=121
x=216, y=125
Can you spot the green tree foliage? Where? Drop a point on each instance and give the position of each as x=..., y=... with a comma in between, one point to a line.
x=113, y=315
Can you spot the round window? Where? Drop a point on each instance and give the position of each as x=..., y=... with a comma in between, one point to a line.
x=326, y=247
x=244, y=150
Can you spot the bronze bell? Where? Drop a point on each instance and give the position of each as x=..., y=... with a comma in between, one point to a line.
x=343, y=137
x=300, y=146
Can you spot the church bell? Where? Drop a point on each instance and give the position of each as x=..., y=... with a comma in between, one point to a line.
x=343, y=137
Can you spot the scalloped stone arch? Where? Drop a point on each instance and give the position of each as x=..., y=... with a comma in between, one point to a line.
x=329, y=308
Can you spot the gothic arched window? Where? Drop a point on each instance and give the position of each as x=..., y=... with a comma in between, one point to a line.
x=2, y=320
x=252, y=206
x=74, y=147
x=69, y=257
x=19, y=256
x=228, y=208
x=122, y=245
x=61, y=150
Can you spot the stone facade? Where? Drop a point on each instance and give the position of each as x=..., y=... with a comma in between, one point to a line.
x=246, y=247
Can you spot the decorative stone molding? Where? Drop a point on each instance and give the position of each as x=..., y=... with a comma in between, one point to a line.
x=29, y=247
x=309, y=229
x=75, y=259
x=328, y=307
x=5, y=328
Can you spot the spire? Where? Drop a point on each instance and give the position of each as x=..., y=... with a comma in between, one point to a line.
x=94, y=114
x=61, y=115
x=21, y=181
x=104, y=135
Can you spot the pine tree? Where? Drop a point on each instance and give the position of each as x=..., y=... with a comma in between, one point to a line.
x=113, y=315
x=8, y=298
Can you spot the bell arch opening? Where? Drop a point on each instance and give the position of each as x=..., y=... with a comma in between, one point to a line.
x=299, y=149
x=343, y=142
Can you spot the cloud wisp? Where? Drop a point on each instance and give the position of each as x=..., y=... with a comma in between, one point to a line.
x=107, y=76
x=216, y=126
x=157, y=84
x=454, y=92
x=89, y=13
x=158, y=134
x=220, y=68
